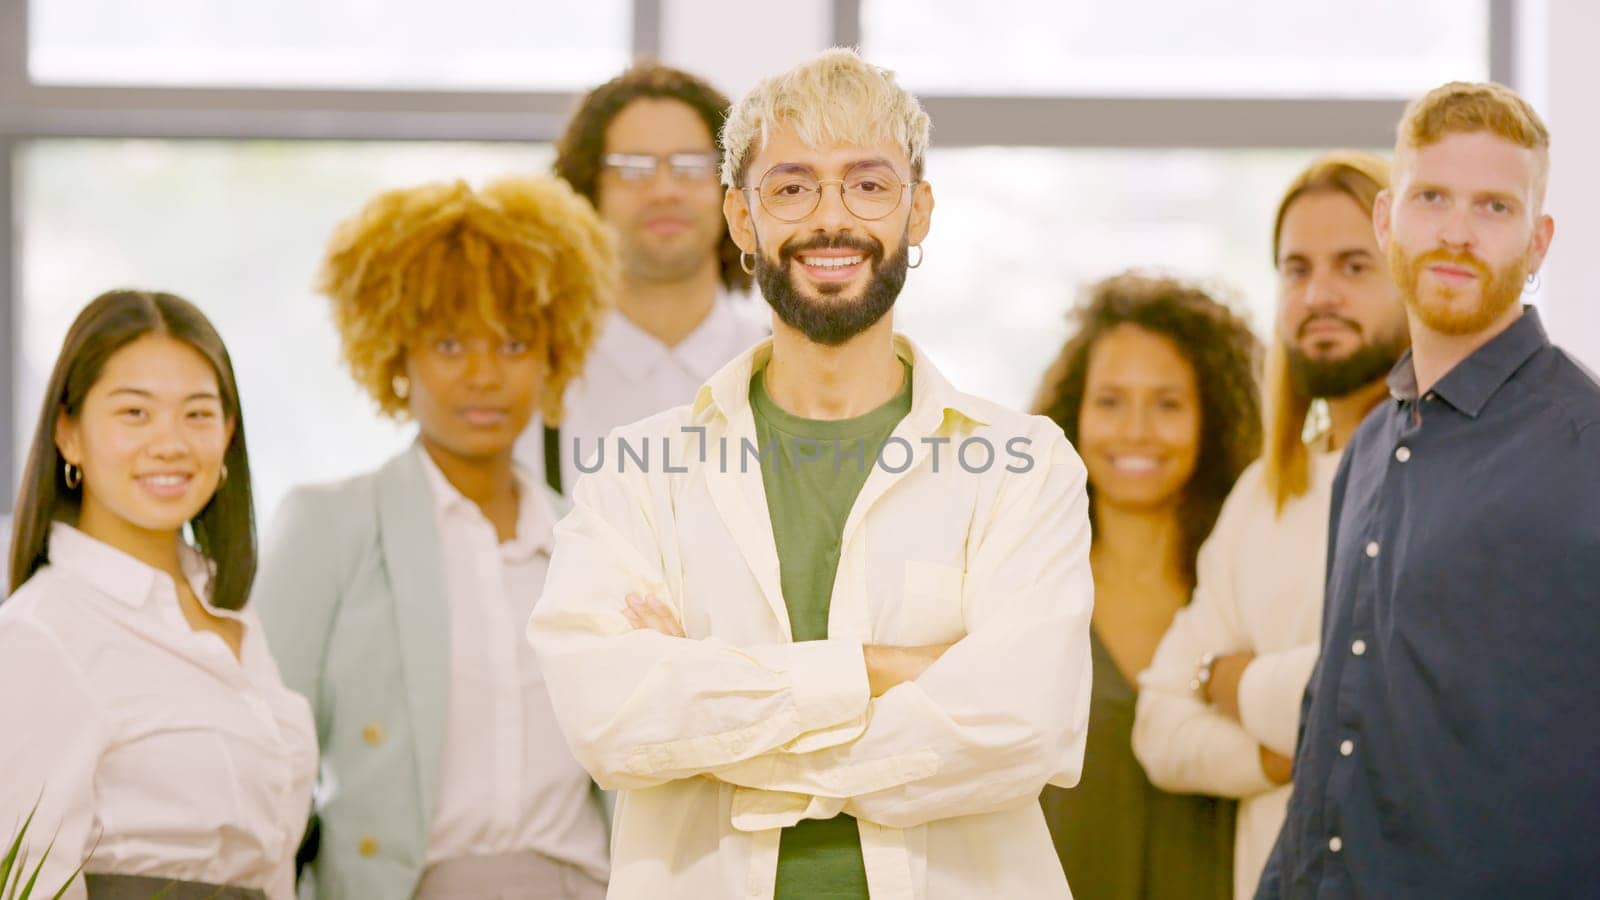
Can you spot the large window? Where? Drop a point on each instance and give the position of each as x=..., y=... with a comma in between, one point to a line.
x=530, y=45
x=1142, y=48
x=208, y=146
x=1019, y=231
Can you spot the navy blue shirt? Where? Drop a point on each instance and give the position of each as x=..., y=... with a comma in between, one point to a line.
x=1450, y=735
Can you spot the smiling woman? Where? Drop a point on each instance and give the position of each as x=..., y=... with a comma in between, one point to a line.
x=1157, y=392
x=156, y=737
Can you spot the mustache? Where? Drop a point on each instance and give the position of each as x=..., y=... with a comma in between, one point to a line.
x=1327, y=317
x=872, y=249
x=1461, y=260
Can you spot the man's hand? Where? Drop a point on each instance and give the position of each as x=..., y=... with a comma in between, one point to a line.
x=1279, y=769
x=1223, y=689
x=888, y=666
x=651, y=612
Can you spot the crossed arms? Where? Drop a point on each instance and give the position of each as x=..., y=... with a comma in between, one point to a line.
x=971, y=729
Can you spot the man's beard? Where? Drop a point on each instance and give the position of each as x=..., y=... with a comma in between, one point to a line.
x=834, y=319
x=1325, y=378
x=1498, y=290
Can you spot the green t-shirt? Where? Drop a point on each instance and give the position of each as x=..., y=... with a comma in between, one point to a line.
x=812, y=471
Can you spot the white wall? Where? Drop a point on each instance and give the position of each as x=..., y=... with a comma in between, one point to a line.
x=1561, y=79
x=735, y=43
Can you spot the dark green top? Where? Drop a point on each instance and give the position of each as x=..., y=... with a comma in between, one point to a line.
x=1121, y=838
x=812, y=471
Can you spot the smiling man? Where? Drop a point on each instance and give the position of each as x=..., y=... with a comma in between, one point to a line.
x=848, y=670
x=1448, y=745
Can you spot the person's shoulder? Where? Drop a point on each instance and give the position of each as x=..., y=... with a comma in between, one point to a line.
x=332, y=501
x=1571, y=388
x=45, y=611
x=338, y=516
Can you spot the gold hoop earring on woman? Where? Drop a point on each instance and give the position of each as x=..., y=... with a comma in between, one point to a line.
x=73, y=475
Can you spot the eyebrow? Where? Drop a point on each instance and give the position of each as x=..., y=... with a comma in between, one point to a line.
x=1341, y=256
x=141, y=392
x=801, y=167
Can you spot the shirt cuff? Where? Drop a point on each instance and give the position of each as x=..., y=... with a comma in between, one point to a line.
x=829, y=683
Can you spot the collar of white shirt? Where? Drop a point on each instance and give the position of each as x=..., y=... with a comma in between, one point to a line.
x=536, y=519
x=122, y=577
x=635, y=352
x=932, y=396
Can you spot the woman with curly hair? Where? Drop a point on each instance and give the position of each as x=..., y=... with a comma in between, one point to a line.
x=1157, y=391
x=396, y=601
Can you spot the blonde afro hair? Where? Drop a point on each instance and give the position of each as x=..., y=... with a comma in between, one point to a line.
x=524, y=256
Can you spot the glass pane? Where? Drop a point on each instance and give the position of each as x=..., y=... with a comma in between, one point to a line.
x=1335, y=48
x=238, y=228
x=1018, y=232
x=467, y=44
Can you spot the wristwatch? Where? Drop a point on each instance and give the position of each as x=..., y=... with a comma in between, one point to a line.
x=1202, y=677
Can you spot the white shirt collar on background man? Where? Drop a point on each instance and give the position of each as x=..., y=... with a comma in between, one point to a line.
x=158, y=752
x=507, y=781
x=631, y=375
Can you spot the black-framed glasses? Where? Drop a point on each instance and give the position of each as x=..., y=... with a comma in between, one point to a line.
x=870, y=191
x=641, y=167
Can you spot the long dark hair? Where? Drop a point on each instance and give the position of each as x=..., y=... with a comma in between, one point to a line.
x=1225, y=356
x=225, y=528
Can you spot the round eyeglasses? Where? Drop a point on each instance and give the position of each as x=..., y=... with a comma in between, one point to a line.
x=870, y=191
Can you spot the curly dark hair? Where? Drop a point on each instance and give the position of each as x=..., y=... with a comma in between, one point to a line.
x=581, y=146
x=1225, y=355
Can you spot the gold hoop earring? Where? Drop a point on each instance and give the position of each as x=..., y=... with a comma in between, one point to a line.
x=73, y=475
x=223, y=478
x=913, y=265
x=401, y=386
x=749, y=266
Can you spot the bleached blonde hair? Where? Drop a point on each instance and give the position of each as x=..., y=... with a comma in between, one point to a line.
x=833, y=98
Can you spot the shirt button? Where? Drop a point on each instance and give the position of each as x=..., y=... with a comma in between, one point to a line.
x=1347, y=747
x=1372, y=549
x=1335, y=844
x=1358, y=647
x=1403, y=454
x=367, y=846
x=372, y=733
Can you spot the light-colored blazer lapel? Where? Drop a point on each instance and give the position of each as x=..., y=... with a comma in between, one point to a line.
x=411, y=554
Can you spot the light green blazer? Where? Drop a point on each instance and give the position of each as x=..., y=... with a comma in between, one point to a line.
x=351, y=595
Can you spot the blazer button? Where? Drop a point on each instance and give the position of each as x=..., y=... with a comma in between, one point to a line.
x=367, y=846
x=372, y=733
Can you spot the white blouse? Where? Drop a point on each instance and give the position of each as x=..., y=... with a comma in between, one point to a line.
x=148, y=747
x=507, y=780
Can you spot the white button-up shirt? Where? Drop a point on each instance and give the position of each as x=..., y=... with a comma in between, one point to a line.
x=507, y=781
x=144, y=741
x=719, y=740
x=1259, y=589
x=630, y=375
